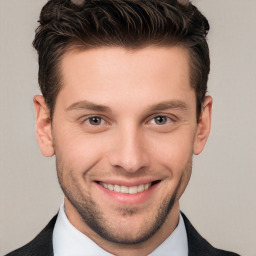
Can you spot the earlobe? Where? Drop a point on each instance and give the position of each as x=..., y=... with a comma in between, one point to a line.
x=204, y=126
x=43, y=126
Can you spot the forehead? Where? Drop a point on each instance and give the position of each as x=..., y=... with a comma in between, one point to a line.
x=146, y=74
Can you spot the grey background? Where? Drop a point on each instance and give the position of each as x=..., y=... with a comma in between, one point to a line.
x=220, y=199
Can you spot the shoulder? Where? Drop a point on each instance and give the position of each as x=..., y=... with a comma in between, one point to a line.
x=198, y=246
x=41, y=245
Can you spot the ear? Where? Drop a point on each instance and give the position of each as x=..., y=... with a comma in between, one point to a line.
x=204, y=126
x=43, y=126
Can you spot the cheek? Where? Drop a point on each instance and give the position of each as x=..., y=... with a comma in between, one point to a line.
x=174, y=151
x=77, y=152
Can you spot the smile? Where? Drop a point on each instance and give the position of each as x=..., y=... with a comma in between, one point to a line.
x=126, y=190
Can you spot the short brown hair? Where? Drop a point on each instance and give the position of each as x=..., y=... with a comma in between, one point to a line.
x=126, y=23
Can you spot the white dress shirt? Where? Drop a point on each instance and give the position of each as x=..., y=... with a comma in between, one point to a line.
x=68, y=241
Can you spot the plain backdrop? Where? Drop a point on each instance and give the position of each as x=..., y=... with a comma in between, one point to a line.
x=220, y=199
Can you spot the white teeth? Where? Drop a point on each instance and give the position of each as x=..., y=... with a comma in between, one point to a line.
x=133, y=190
x=147, y=186
x=110, y=187
x=126, y=190
x=117, y=188
x=141, y=188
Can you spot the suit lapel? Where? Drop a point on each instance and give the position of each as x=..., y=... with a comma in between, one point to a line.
x=41, y=245
x=43, y=242
x=197, y=245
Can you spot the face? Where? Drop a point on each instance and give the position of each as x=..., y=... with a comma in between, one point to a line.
x=124, y=131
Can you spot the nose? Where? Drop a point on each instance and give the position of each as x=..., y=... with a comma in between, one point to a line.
x=129, y=151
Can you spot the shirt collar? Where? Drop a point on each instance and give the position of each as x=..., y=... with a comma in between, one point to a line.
x=176, y=244
x=68, y=241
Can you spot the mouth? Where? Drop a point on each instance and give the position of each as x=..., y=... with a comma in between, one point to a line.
x=132, y=190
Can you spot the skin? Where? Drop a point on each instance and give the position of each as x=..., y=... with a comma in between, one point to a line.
x=124, y=117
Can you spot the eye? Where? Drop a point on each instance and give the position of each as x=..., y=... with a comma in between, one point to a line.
x=95, y=121
x=161, y=120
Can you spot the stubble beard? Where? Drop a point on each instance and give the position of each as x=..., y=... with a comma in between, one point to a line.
x=94, y=218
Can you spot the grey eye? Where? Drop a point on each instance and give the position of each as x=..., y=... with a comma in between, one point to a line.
x=161, y=120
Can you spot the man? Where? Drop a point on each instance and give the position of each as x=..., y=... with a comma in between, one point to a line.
x=124, y=108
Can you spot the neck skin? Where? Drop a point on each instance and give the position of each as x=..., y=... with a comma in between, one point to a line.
x=141, y=249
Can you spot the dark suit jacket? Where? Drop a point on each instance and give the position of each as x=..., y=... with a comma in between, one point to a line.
x=42, y=244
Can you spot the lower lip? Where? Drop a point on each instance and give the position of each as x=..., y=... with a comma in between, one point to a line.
x=129, y=199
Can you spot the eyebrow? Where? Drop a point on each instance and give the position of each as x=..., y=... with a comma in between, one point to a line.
x=89, y=106
x=172, y=104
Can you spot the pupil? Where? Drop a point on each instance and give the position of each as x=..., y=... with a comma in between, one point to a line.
x=95, y=120
x=160, y=120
